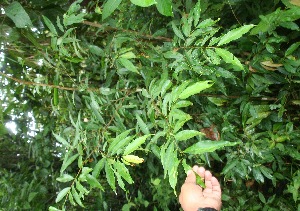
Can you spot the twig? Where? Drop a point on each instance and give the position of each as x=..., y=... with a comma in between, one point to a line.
x=145, y=36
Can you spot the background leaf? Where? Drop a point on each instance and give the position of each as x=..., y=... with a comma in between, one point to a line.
x=18, y=15
x=109, y=7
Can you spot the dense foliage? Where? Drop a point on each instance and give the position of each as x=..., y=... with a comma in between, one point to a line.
x=114, y=100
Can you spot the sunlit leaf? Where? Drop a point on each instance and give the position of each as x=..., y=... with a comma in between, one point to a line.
x=186, y=134
x=143, y=3
x=195, y=89
x=234, y=34
x=133, y=159
x=62, y=194
x=164, y=7
x=68, y=161
x=136, y=143
x=208, y=146
x=65, y=178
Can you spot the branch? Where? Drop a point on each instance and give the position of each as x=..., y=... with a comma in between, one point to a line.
x=236, y=96
x=45, y=85
x=145, y=36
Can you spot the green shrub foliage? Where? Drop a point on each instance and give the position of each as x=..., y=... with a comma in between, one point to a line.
x=115, y=100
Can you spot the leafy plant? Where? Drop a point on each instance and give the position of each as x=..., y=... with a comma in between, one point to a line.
x=114, y=101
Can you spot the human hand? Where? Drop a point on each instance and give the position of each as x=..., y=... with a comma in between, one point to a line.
x=193, y=197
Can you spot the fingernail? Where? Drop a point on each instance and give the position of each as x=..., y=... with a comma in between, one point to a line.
x=189, y=172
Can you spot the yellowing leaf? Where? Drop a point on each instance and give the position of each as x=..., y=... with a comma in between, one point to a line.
x=133, y=159
x=295, y=2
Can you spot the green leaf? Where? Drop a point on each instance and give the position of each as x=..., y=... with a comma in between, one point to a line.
x=110, y=176
x=109, y=7
x=143, y=3
x=186, y=134
x=68, y=161
x=177, y=31
x=50, y=25
x=18, y=15
x=118, y=139
x=182, y=104
x=71, y=19
x=213, y=57
x=164, y=7
x=123, y=171
x=61, y=140
x=292, y=48
x=93, y=182
x=62, y=194
x=143, y=126
x=96, y=50
x=128, y=65
x=98, y=167
x=261, y=197
x=135, y=144
x=76, y=196
x=208, y=146
x=71, y=199
x=257, y=175
x=195, y=89
x=196, y=13
x=229, y=58
x=96, y=108
x=266, y=172
x=120, y=181
x=166, y=85
x=53, y=209
x=65, y=178
x=234, y=34
x=119, y=148
x=199, y=180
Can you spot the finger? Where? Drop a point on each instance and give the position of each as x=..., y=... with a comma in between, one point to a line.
x=216, y=188
x=208, y=181
x=191, y=177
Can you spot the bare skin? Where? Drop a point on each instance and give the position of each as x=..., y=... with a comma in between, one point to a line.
x=193, y=197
